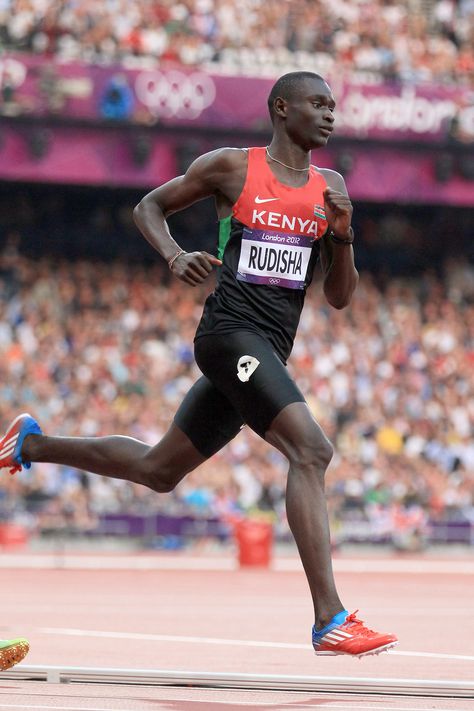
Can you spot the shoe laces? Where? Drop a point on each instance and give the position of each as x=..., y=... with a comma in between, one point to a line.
x=357, y=625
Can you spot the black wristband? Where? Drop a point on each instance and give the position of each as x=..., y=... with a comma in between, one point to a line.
x=338, y=240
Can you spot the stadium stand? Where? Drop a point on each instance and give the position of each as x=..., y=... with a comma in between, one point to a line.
x=425, y=40
x=94, y=347
x=95, y=344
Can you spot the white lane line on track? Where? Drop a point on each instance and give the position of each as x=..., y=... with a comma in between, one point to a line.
x=387, y=565
x=65, y=708
x=72, y=632
x=60, y=708
x=67, y=561
x=268, y=704
x=351, y=706
x=194, y=701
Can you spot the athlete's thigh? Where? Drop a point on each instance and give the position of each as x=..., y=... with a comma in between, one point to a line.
x=246, y=369
x=207, y=418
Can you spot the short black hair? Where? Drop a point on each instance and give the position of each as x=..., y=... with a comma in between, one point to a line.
x=286, y=86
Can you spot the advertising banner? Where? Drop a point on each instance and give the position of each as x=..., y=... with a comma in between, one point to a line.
x=37, y=86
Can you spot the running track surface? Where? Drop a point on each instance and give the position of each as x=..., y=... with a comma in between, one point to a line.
x=243, y=621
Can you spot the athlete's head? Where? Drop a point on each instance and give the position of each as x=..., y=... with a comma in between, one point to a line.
x=303, y=104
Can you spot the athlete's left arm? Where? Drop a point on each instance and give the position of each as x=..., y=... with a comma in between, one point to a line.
x=337, y=255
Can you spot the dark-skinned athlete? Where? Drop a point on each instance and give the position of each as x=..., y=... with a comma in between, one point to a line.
x=279, y=215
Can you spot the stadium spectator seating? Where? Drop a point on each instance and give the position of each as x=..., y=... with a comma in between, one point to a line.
x=427, y=40
x=94, y=348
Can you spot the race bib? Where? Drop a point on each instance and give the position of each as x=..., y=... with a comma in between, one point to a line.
x=274, y=258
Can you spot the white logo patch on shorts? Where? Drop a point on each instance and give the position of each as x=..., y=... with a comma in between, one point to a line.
x=246, y=366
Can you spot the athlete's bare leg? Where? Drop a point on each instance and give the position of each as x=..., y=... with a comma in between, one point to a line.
x=160, y=467
x=295, y=432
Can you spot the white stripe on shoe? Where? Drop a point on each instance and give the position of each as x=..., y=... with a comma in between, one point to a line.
x=10, y=444
x=6, y=449
x=13, y=438
x=6, y=453
x=336, y=634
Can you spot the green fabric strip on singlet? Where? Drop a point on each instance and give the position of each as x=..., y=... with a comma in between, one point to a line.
x=224, y=234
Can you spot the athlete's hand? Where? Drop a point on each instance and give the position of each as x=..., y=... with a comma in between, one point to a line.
x=194, y=267
x=338, y=212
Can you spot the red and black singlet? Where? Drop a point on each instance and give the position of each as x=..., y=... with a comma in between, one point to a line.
x=269, y=247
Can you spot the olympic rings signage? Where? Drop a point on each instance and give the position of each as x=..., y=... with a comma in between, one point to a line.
x=175, y=94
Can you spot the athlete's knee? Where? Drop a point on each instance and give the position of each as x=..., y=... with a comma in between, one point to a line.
x=299, y=437
x=158, y=476
x=163, y=485
x=305, y=445
x=312, y=453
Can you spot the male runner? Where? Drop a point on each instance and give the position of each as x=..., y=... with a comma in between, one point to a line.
x=278, y=215
x=12, y=651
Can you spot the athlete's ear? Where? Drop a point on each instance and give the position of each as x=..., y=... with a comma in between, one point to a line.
x=279, y=106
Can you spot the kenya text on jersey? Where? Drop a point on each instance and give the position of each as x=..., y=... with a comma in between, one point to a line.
x=267, y=218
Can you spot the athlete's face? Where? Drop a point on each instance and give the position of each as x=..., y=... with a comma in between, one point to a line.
x=310, y=114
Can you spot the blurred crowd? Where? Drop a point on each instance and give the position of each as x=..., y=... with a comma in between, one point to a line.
x=414, y=42
x=94, y=348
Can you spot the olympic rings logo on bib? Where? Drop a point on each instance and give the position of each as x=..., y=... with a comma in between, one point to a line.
x=175, y=94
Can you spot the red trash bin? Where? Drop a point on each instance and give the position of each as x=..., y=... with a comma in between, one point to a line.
x=13, y=535
x=254, y=541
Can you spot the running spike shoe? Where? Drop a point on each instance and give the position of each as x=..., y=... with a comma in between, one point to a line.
x=345, y=634
x=12, y=651
x=11, y=444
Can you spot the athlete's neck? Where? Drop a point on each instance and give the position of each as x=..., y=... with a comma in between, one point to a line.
x=290, y=155
x=288, y=167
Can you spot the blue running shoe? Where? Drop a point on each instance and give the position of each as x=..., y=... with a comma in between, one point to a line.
x=12, y=442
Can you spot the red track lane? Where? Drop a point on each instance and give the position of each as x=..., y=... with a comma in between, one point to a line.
x=75, y=618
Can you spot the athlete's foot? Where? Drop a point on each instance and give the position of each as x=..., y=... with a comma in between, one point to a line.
x=345, y=634
x=12, y=651
x=12, y=442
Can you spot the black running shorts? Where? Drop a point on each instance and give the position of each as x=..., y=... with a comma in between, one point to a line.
x=244, y=382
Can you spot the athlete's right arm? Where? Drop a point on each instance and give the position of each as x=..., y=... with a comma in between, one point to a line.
x=206, y=176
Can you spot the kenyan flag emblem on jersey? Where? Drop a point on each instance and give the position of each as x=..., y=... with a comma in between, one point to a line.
x=319, y=211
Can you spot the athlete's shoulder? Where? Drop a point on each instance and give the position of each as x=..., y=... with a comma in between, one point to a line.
x=333, y=179
x=214, y=169
x=227, y=158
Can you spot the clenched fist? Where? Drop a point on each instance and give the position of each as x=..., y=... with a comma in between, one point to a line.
x=194, y=267
x=338, y=212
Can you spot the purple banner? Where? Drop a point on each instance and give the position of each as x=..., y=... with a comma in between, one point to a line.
x=34, y=85
x=94, y=156
x=85, y=157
